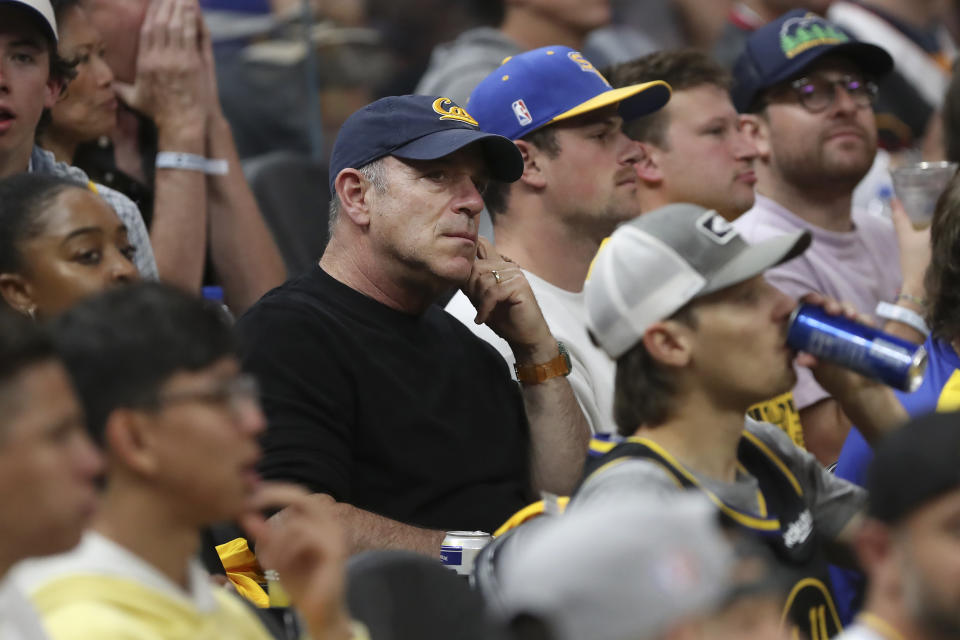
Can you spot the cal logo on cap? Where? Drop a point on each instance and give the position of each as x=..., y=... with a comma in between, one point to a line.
x=453, y=113
x=799, y=34
x=523, y=114
x=712, y=225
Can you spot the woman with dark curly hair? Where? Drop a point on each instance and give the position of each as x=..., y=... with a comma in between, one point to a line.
x=940, y=390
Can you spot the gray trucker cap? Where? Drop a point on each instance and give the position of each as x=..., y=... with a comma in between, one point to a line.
x=654, y=264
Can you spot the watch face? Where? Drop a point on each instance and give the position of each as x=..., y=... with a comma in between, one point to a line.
x=566, y=357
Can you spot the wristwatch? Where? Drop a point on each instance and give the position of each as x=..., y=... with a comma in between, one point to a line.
x=537, y=373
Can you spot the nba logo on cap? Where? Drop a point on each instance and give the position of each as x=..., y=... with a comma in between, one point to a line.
x=523, y=114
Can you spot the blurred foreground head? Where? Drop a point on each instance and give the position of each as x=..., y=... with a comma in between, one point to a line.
x=47, y=463
x=620, y=572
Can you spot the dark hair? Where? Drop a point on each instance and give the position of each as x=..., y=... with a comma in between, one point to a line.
x=497, y=195
x=644, y=389
x=487, y=12
x=951, y=116
x=682, y=69
x=942, y=280
x=60, y=67
x=122, y=346
x=23, y=199
x=22, y=345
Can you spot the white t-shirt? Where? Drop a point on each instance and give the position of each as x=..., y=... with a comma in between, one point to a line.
x=592, y=371
x=18, y=618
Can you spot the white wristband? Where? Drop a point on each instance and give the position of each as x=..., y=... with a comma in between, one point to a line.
x=191, y=162
x=903, y=315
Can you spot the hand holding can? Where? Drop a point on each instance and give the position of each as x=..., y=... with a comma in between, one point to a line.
x=856, y=346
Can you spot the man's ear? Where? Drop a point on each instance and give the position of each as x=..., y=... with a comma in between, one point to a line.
x=128, y=436
x=669, y=343
x=647, y=165
x=17, y=292
x=533, y=158
x=353, y=190
x=757, y=129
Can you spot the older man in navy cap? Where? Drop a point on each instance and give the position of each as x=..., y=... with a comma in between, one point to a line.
x=377, y=399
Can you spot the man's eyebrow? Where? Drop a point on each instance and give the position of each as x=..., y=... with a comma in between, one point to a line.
x=28, y=41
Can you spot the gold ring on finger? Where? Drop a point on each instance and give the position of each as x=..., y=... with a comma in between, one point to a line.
x=496, y=276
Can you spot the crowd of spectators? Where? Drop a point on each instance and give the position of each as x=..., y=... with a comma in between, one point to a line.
x=565, y=241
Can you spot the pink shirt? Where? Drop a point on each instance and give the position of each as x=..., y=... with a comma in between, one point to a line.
x=860, y=266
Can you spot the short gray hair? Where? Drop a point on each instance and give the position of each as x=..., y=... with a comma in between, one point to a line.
x=375, y=173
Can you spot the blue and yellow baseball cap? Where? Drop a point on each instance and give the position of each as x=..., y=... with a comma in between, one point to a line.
x=786, y=46
x=418, y=128
x=550, y=84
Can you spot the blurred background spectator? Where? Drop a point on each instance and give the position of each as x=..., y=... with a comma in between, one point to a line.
x=365, y=49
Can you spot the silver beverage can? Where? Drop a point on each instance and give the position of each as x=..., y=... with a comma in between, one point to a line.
x=459, y=549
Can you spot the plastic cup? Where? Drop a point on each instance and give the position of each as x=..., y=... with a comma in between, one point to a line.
x=919, y=185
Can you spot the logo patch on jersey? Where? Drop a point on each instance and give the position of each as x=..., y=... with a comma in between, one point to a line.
x=586, y=65
x=523, y=114
x=713, y=225
x=800, y=34
x=453, y=113
x=799, y=530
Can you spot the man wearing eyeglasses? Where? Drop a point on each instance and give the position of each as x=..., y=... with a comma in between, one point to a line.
x=809, y=88
x=160, y=383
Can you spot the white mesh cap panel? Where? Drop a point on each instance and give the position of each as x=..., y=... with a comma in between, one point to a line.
x=636, y=280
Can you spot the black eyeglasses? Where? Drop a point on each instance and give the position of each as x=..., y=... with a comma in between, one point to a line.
x=818, y=93
x=236, y=394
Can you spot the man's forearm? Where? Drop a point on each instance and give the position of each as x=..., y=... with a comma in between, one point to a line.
x=559, y=436
x=244, y=252
x=825, y=429
x=559, y=432
x=178, y=231
x=875, y=410
x=366, y=530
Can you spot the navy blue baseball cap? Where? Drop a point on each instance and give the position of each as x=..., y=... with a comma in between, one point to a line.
x=786, y=46
x=550, y=84
x=418, y=128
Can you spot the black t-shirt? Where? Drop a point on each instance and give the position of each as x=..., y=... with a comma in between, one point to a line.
x=410, y=417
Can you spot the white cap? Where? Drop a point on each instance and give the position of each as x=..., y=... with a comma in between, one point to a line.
x=44, y=10
x=653, y=265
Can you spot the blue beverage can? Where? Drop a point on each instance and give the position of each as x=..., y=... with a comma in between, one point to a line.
x=868, y=351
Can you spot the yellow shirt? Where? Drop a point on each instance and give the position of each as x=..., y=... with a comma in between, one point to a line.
x=782, y=412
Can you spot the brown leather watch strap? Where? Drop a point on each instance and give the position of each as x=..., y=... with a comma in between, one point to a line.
x=537, y=373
